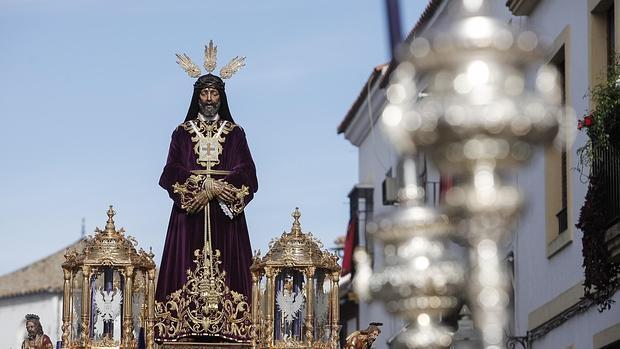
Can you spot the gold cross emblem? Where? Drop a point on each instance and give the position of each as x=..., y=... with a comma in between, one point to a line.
x=209, y=149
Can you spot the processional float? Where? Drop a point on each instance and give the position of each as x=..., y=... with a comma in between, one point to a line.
x=109, y=287
x=109, y=296
x=294, y=300
x=295, y=293
x=109, y=290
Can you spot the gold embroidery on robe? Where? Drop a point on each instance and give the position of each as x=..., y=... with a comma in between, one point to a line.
x=208, y=137
x=189, y=189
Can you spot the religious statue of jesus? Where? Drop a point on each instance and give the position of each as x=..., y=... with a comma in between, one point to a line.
x=36, y=338
x=210, y=177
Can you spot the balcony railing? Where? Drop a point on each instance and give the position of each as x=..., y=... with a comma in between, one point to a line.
x=607, y=163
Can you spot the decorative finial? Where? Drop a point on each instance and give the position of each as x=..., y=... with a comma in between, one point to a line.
x=210, y=63
x=296, y=230
x=465, y=313
x=186, y=63
x=232, y=67
x=83, y=227
x=109, y=226
x=210, y=57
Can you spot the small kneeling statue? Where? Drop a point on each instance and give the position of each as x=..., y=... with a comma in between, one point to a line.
x=363, y=339
x=36, y=338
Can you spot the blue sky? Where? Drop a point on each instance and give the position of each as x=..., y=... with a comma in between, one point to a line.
x=90, y=93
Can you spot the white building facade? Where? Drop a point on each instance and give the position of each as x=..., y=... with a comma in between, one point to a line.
x=13, y=310
x=545, y=251
x=33, y=289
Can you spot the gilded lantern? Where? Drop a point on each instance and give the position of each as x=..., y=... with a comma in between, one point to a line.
x=109, y=290
x=295, y=293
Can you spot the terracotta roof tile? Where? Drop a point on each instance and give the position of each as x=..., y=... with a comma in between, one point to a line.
x=42, y=276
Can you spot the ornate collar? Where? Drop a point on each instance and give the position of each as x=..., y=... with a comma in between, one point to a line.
x=203, y=118
x=208, y=138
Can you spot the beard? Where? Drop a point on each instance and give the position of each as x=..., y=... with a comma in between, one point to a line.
x=209, y=109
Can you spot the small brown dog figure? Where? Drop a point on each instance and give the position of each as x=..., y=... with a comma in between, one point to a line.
x=363, y=339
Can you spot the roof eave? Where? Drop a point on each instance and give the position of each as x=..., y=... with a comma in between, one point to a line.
x=372, y=80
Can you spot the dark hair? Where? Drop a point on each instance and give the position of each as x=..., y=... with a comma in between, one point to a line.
x=37, y=324
x=216, y=82
x=372, y=327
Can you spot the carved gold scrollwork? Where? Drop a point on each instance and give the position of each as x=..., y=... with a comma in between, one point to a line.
x=204, y=305
x=299, y=253
x=201, y=130
x=238, y=204
x=105, y=342
x=189, y=189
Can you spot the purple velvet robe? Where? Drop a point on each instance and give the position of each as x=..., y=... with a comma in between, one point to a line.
x=186, y=231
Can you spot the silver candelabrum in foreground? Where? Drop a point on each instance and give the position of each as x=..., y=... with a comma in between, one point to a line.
x=488, y=101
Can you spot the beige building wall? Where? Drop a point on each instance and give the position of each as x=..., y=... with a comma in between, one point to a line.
x=548, y=262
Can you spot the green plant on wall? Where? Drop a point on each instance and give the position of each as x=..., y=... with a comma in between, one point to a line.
x=602, y=126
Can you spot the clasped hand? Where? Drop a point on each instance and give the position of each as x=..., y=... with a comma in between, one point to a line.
x=219, y=189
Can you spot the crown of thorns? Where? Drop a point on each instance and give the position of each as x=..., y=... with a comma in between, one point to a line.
x=210, y=63
x=32, y=317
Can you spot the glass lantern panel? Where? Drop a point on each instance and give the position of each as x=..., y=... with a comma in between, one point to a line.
x=138, y=301
x=262, y=304
x=106, y=290
x=76, y=306
x=321, y=305
x=290, y=305
x=262, y=296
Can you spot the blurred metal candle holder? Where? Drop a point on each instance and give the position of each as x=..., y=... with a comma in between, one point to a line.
x=419, y=279
x=481, y=115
